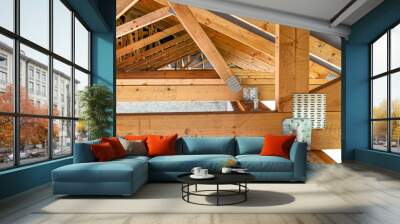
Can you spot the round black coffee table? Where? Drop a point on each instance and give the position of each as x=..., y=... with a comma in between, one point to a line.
x=238, y=179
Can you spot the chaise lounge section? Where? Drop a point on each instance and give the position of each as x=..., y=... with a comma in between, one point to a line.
x=125, y=176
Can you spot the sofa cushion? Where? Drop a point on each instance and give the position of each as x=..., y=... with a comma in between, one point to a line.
x=103, y=152
x=116, y=145
x=112, y=171
x=257, y=163
x=161, y=145
x=249, y=145
x=207, y=145
x=185, y=163
x=277, y=145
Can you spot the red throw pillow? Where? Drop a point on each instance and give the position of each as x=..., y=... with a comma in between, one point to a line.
x=161, y=145
x=116, y=145
x=277, y=145
x=135, y=137
x=103, y=152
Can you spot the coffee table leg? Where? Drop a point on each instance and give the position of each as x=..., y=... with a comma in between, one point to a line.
x=245, y=193
x=195, y=188
x=217, y=194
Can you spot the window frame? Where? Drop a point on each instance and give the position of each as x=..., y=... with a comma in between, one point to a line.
x=388, y=74
x=16, y=114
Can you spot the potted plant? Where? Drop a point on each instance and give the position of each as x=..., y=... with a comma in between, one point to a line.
x=96, y=103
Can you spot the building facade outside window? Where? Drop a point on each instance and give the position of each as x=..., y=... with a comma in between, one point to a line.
x=41, y=124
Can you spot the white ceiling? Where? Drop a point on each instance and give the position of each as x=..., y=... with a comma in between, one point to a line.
x=319, y=9
x=314, y=15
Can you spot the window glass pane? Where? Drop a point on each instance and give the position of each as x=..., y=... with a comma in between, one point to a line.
x=379, y=135
x=6, y=142
x=379, y=97
x=34, y=81
x=35, y=21
x=395, y=47
x=6, y=74
x=7, y=14
x=395, y=138
x=62, y=138
x=62, y=89
x=395, y=94
x=62, y=29
x=81, y=82
x=81, y=45
x=379, y=56
x=81, y=131
x=33, y=140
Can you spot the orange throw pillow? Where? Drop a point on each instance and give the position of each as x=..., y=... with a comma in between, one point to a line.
x=277, y=145
x=103, y=152
x=136, y=137
x=161, y=145
x=116, y=145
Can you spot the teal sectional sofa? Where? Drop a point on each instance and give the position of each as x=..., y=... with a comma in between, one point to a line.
x=125, y=176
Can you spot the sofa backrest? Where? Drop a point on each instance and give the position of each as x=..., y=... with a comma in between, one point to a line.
x=249, y=145
x=206, y=145
x=83, y=152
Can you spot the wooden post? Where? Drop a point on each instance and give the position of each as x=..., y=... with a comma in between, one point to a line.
x=292, y=47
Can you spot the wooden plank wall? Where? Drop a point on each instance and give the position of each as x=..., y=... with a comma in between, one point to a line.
x=218, y=124
x=224, y=124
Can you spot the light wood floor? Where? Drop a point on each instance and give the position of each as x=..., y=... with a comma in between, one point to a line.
x=378, y=189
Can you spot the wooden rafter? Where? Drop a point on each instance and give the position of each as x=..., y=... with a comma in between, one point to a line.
x=143, y=55
x=143, y=21
x=148, y=40
x=325, y=51
x=164, y=57
x=234, y=31
x=237, y=51
x=192, y=26
x=122, y=6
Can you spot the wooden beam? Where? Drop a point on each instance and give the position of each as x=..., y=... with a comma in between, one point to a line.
x=325, y=51
x=143, y=55
x=143, y=21
x=292, y=64
x=234, y=51
x=165, y=57
x=148, y=40
x=169, y=82
x=181, y=74
x=192, y=26
x=234, y=31
x=122, y=6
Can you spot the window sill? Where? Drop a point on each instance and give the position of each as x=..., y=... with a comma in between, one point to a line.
x=30, y=166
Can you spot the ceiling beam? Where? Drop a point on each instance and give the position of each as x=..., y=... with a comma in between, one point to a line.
x=276, y=16
x=143, y=55
x=143, y=21
x=122, y=6
x=148, y=40
x=192, y=26
x=234, y=31
x=346, y=12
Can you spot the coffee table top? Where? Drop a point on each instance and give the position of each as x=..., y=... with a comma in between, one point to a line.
x=220, y=178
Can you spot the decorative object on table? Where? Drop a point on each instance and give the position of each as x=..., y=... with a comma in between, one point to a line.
x=231, y=163
x=310, y=106
x=300, y=127
x=200, y=173
x=96, y=102
x=230, y=170
x=250, y=93
x=239, y=195
x=226, y=170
